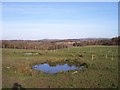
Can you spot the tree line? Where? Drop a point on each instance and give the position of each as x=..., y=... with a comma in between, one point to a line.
x=112, y=41
x=58, y=44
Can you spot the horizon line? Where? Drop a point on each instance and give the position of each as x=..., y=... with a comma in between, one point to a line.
x=64, y=38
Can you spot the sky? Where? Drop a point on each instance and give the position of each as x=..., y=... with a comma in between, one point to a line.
x=60, y=0
x=59, y=20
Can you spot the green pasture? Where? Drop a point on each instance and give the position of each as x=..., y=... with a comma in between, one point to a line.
x=102, y=71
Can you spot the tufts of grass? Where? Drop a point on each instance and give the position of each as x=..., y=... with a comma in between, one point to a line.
x=102, y=72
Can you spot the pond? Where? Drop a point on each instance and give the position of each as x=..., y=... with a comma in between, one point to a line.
x=54, y=69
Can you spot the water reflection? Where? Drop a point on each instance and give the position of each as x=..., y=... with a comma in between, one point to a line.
x=54, y=69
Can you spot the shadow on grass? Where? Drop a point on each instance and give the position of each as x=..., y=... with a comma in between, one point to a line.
x=17, y=86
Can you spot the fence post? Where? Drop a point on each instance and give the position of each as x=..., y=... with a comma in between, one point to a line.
x=106, y=56
x=92, y=56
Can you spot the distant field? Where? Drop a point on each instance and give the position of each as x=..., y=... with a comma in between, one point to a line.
x=102, y=71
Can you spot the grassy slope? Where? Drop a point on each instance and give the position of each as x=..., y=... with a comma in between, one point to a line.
x=102, y=70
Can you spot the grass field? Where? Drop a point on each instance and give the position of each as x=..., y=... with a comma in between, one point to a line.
x=102, y=71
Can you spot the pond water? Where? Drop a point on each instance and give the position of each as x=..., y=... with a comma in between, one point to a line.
x=54, y=69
